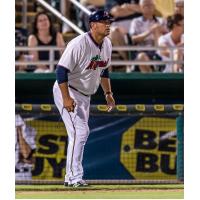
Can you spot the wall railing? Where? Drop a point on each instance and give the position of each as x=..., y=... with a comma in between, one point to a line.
x=52, y=62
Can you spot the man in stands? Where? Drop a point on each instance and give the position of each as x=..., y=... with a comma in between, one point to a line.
x=123, y=12
x=145, y=31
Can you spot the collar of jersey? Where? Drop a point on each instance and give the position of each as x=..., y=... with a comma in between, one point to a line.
x=96, y=44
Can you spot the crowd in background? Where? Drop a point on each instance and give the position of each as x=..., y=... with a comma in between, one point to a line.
x=146, y=23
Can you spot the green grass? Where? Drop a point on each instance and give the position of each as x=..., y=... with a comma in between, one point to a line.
x=96, y=187
x=100, y=192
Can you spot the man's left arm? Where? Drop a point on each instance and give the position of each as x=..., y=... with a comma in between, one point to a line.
x=106, y=86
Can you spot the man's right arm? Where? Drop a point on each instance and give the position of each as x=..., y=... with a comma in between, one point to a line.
x=25, y=149
x=137, y=38
x=62, y=79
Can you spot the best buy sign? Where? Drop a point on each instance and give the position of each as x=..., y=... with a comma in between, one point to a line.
x=148, y=149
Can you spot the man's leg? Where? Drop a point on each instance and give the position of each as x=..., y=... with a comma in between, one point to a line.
x=117, y=39
x=76, y=124
x=144, y=57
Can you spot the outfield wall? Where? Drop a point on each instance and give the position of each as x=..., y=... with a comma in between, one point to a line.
x=119, y=147
x=128, y=88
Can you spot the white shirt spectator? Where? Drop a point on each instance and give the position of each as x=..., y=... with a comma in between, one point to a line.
x=140, y=25
x=166, y=40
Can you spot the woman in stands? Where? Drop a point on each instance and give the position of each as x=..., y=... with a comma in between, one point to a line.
x=174, y=38
x=44, y=35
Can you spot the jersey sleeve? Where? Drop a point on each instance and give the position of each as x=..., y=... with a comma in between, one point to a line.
x=70, y=57
x=19, y=121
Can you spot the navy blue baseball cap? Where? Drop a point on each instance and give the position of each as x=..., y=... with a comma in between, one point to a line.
x=100, y=15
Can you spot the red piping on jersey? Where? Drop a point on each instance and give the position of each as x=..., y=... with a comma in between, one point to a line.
x=72, y=156
x=73, y=146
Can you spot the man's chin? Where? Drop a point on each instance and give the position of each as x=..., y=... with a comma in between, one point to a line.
x=107, y=33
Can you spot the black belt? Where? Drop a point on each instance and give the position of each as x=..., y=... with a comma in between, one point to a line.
x=22, y=170
x=78, y=91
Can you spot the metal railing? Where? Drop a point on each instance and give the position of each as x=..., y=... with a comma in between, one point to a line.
x=60, y=16
x=81, y=7
x=52, y=62
x=55, y=12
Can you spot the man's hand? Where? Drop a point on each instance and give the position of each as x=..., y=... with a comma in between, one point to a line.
x=69, y=104
x=110, y=102
x=155, y=28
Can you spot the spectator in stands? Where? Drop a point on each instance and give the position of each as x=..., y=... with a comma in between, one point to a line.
x=44, y=35
x=174, y=38
x=24, y=149
x=123, y=12
x=179, y=7
x=65, y=7
x=145, y=31
x=92, y=6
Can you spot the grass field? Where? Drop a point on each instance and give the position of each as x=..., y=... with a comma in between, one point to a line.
x=100, y=192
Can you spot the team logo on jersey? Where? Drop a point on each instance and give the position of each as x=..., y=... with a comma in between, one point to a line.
x=97, y=62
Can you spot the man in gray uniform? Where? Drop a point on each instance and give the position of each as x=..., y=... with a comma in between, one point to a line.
x=82, y=67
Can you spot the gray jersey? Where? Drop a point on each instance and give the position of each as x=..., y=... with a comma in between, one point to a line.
x=85, y=60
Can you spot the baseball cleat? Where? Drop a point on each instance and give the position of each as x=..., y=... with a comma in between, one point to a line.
x=66, y=184
x=81, y=183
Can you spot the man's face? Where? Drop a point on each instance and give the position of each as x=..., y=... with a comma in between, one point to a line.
x=147, y=7
x=102, y=27
x=179, y=27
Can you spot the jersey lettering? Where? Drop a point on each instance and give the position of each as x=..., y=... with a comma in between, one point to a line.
x=97, y=62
